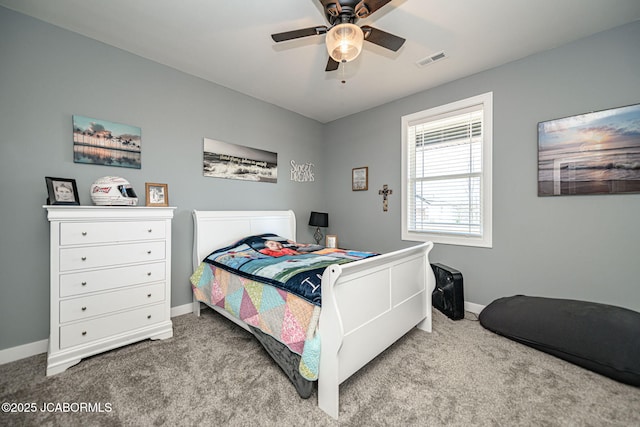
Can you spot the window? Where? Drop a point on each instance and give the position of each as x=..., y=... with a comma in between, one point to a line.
x=446, y=169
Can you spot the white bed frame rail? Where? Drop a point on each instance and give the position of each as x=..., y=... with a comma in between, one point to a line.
x=367, y=305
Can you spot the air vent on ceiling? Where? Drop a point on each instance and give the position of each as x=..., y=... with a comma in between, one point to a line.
x=431, y=59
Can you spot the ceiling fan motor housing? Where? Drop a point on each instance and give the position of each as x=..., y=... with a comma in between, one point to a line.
x=345, y=11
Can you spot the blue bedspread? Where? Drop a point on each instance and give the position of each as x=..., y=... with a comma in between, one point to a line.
x=290, y=266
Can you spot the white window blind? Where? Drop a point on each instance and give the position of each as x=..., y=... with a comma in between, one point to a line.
x=445, y=188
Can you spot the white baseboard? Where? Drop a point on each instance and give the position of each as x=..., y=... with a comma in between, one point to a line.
x=473, y=307
x=27, y=350
x=182, y=309
x=23, y=351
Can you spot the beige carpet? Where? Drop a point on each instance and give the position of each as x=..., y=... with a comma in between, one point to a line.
x=214, y=373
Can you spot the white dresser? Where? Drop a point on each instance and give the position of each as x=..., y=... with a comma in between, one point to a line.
x=110, y=279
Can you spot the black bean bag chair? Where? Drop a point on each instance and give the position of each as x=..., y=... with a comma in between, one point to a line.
x=599, y=337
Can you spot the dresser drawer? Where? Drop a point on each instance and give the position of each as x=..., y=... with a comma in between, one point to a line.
x=78, y=233
x=112, y=278
x=102, y=327
x=95, y=305
x=104, y=256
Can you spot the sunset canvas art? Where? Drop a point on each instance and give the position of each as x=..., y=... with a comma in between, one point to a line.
x=592, y=153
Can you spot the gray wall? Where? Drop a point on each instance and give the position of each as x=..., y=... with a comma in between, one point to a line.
x=579, y=247
x=576, y=247
x=47, y=75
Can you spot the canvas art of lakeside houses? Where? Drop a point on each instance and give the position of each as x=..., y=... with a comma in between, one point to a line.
x=106, y=143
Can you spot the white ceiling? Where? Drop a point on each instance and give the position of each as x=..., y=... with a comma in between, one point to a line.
x=228, y=42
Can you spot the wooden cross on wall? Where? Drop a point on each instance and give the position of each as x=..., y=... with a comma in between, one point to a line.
x=384, y=193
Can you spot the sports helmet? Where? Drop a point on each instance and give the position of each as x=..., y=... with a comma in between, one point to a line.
x=113, y=191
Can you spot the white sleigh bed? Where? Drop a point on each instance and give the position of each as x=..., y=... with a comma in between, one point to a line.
x=353, y=329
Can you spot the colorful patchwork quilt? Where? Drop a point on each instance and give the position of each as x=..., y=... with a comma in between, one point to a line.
x=287, y=265
x=272, y=284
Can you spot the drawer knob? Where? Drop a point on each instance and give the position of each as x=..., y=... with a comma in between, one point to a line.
x=84, y=233
x=84, y=333
x=84, y=308
x=84, y=258
x=83, y=283
x=149, y=316
x=148, y=295
x=149, y=274
x=149, y=252
x=150, y=230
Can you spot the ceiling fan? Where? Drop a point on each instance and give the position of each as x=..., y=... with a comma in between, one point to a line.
x=344, y=39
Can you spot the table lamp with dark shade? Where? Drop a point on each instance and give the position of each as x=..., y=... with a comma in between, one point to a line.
x=318, y=219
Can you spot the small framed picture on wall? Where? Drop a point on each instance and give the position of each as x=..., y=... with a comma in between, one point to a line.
x=157, y=194
x=360, y=179
x=331, y=241
x=62, y=191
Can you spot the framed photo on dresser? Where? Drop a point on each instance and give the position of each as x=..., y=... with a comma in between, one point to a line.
x=62, y=191
x=157, y=194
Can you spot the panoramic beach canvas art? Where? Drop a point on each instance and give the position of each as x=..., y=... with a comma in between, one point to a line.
x=592, y=153
x=101, y=142
x=231, y=161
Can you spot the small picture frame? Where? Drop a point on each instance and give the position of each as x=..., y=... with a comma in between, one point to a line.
x=62, y=191
x=157, y=194
x=360, y=179
x=331, y=241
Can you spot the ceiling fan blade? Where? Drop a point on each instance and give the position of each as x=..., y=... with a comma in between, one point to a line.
x=367, y=7
x=296, y=34
x=332, y=65
x=382, y=38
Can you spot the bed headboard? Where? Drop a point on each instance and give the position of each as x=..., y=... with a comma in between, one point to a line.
x=216, y=229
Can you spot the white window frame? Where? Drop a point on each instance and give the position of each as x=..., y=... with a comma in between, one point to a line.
x=486, y=236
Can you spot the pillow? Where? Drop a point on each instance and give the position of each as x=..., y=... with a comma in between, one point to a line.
x=599, y=337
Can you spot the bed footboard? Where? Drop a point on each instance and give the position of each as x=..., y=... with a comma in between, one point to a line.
x=366, y=307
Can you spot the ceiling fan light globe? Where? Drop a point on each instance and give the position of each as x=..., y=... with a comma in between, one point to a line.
x=344, y=42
